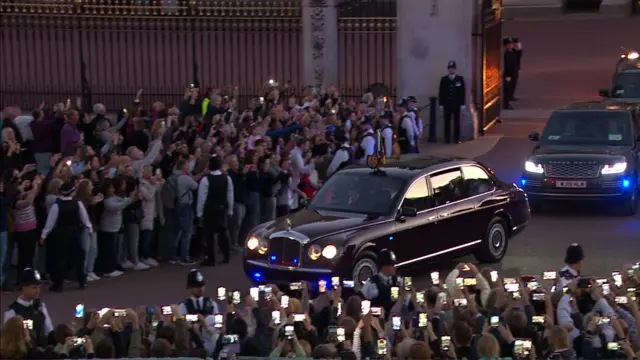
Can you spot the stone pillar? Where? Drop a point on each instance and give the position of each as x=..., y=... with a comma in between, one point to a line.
x=320, y=43
x=430, y=33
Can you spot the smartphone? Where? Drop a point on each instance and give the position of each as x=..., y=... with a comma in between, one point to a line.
x=192, y=85
x=420, y=297
x=103, y=311
x=268, y=292
x=163, y=124
x=275, y=317
x=298, y=317
x=422, y=320
x=217, y=320
x=539, y=297
x=191, y=318
x=408, y=283
x=395, y=291
x=348, y=283
x=261, y=99
x=255, y=293
x=348, y=123
x=77, y=341
x=522, y=347
x=602, y=320
x=494, y=321
x=396, y=323
x=549, y=275
x=460, y=302
x=459, y=282
x=340, y=335
x=284, y=301
x=537, y=319
x=532, y=285
x=470, y=282
x=28, y=324
x=365, y=307
x=617, y=278
x=613, y=346
x=512, y=286
x=68, y=163
x=278, y=149
x=119, y=312
x=445, y=343
x=335, y=282
x=222, y=293
x=376, y=311
x=288, y=331
x=606, y=289
x=80, y=310
x=322, y=286
x=494, y=275
x=631, y=292
x=382, y=346
x=166, y=310
x=442, y=296
x=295, y=286
x=236, y=297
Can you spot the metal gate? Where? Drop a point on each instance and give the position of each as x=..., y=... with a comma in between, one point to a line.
x=491, y=27
x=367, y=46
x=106, y=49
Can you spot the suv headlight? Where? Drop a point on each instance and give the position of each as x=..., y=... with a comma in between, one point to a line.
x=617, y=168
x=532, y=167
x=253, y=243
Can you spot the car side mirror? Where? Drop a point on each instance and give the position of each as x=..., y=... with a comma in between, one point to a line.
x=605, y=93
x=534, y=136
x=408, y=211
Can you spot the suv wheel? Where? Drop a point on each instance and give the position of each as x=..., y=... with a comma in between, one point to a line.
x=366, y=266
x=630, y=205
x=495, y=243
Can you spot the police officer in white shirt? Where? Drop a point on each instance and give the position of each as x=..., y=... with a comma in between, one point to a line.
x=367, y=145
x=418, y=125
x=343, y=155
x=573, y=263
x=378, y=288
x=386, y=132
x=406, y=129
x=198, y=304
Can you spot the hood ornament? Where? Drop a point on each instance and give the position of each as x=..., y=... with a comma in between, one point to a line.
x=287, y=224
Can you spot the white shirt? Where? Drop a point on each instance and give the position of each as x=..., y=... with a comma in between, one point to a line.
x=298, y=167
x=387, y=137
x=339, y=157
x=208, y=340
x=48, y=324
x=370, y=289
x=52, y=217
x=368, y=144
x=203, y=191
x=408, y=124
x=23, y=123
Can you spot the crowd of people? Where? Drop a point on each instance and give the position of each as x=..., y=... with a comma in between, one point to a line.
x=467, y=314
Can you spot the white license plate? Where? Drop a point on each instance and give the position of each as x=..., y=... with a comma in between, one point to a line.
x=571, y=184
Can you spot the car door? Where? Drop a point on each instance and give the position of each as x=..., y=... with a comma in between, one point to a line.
x=456, y=216
x=417, y=236
x=479, y=190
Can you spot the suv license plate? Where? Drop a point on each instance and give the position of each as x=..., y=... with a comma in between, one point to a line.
x=571, y=184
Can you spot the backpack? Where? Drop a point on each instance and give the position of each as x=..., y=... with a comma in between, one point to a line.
x=169, y=193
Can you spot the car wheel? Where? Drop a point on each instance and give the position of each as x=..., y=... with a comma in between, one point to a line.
x=366, y=266
x=495, y=242
x=630, y=205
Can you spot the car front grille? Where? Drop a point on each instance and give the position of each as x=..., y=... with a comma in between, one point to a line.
x=573, y=171
x=284, y=251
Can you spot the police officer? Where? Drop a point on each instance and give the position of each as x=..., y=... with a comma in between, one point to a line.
x=197, y=303
x=573, y=263
x=367, y=141
x=62, y=230
x=386, y=133
x=215, y=208
x=452, y=95
x=509, y=72
x=378, y=288
x=30, y=308
x=343, y=155
x=406, y=128
x=418, y=125
x=518, y=51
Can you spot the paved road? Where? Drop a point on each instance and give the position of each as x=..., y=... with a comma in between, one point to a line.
x=564, y=61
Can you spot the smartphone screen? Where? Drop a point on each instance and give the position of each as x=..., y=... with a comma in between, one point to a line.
x=408, y=283
x=288, y=331
x=617, y=278
x=537, y=319
x=395, y=293
x=275, y=317
x=538, y=296
x=295, y=286
x=222, y=293
x=522, y=347
x=255, y=293
x=80, y=310
x=376, y=311
x=396, y=323
x=322, y=286
x=494, y=276
x=191, y=317
x=459, y=282
x=348, y=283
x=445, y=343
x=549, y=275
x=460, y=302
x=442, y=296
x=470, y=282
x=435, y=278
x=284, y=301
x=236, y=297
x=298, y=317
x=420, y=297
x=217, y=320
x=340, y=335
x=382, y=346
x=166, y=310
x=365, y=307
x=335, y=282
x=494, y=321
x=422, y=320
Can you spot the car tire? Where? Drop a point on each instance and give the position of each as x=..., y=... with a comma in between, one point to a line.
x=630, y=205
x=495, y=243
x=365, y=266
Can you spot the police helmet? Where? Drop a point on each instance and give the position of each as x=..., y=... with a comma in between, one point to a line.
x=574, y=254
x=386, y=257
x=30, y=277
x=195, y=279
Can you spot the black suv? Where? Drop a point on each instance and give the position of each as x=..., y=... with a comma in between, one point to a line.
x=587, y=151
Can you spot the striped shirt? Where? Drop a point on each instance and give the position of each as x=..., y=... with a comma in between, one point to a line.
x=25, y=219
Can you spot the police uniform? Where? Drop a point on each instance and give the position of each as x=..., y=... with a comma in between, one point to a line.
x=386, y=134
x=574, y=255
x=378, y=288
x=65, y=221
x=452, y=95
x=509, y=73
x=518, y=52
x=406, y=134
x=417, y=121
x=203, y=305
x=34, y=310
x=343, y=156
x=367, y=141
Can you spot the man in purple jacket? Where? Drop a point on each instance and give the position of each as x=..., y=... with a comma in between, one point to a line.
x=70, y=134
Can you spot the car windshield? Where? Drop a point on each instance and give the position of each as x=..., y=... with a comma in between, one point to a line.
x=358, y=192
x=610, y=128
x=627, y=85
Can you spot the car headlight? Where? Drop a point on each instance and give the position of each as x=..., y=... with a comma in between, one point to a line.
x=263, y=247
x=315, y=252
x=329, y=252
x=253, y=243
x=617, y=168
x=532, y=167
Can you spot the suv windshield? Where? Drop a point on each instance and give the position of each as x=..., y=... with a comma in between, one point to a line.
x=593, y=127
x=358, y=192
x=627, y=85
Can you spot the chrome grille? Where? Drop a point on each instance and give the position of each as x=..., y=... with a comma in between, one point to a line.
x=284, y=251
x=573, y=171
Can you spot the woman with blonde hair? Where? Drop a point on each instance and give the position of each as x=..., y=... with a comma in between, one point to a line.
x=84, y=193
x=488, y=347
x=14, y=341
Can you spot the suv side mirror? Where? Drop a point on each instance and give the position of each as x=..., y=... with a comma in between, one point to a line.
x=534, y=136
x=605, y=93
x=408, y=211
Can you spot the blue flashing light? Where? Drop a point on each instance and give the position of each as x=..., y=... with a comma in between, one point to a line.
x=390, y=238
x=523, y=182
x=295, y=260
x=273, y=258
x=257, y=276
x=626, y=183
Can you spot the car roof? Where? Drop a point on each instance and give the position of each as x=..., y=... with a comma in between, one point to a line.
x=414, y=166
x=629, y=65
x=607, y=105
